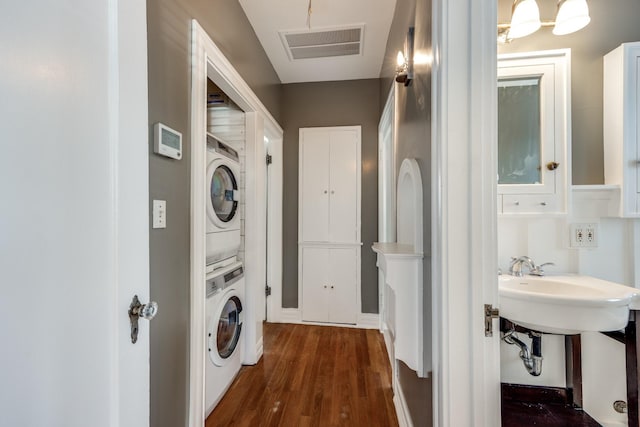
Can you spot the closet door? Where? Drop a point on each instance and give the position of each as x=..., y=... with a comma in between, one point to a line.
x=343, y=185
x=343, y=304
x=314, y=186
x=315, y=279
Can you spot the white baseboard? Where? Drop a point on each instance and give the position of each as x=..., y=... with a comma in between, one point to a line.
x=369, y=321
x=259, y=349
x=290, y=315
x=294, y=315
x=404, y=418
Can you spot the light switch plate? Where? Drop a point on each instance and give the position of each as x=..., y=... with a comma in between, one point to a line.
x=159, y=214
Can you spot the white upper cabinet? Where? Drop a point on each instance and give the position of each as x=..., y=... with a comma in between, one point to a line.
x=330, y=185
x=621, y=124
x=534, y=132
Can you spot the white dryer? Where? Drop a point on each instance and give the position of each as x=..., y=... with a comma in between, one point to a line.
x=223, y=201
x=224, y=312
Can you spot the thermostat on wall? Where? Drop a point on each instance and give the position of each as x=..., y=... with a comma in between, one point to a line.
x=167, y=142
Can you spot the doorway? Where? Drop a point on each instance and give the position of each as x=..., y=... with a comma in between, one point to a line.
x=208, y=63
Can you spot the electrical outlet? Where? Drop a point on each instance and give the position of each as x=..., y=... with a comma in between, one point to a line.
x=584, y=235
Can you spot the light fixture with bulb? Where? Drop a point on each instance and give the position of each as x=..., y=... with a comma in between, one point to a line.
x=571, y=16
x=404, y=60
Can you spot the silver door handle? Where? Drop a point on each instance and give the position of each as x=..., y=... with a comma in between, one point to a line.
x=138, y=310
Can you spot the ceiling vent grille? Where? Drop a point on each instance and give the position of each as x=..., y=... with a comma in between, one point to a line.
x=323, y=43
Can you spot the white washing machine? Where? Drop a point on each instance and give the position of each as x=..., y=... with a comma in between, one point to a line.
x=224, y=311
x=223, y=201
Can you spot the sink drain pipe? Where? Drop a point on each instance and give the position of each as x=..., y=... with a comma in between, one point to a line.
x=532, y=360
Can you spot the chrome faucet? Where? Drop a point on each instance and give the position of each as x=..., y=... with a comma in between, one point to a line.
x=535, y=270
x=515, y=269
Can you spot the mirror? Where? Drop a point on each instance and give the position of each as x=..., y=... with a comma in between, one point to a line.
x=519, y=143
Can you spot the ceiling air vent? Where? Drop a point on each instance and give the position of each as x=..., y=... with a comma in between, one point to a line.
x=323, y=43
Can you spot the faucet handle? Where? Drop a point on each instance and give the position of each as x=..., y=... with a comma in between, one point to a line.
x=538, y=271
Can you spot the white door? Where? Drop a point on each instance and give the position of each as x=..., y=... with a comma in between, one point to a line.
x=315, y=279
x=74, y=217
x=314, y=186
x=342, y=301
x=343, y=185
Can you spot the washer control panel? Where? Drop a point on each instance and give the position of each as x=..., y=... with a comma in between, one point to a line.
x=223, y=278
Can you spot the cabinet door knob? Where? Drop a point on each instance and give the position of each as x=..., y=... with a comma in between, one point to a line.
x=543, y=203
x=332, y=192
x=325, y=286
x=331, y=286
x=325, y=191
x=552, y=166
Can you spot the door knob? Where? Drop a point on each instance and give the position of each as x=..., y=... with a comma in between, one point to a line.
x=138, y=310
x=552, y=166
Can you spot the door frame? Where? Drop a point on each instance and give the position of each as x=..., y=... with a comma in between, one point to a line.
x=464, y=212
x=386, y=191
x=207, y=61
x=274, y=223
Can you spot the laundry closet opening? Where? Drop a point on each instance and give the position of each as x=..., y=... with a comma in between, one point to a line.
x=225, y=236
x=240, y=211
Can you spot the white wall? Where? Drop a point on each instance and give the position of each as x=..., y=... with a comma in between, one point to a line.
x=546, y=239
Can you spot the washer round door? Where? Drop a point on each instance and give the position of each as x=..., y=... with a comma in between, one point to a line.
x=222, y=205
x=225, y=329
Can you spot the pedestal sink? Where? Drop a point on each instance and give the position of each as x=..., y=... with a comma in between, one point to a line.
x=568, y=304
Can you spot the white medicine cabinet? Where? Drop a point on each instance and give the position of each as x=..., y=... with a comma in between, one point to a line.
x=621, y=125
x=534, y=132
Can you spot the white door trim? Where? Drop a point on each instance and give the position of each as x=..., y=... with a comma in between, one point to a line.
x=387, y=171
x=208, y=61
x=274, y=224
x=464, y=246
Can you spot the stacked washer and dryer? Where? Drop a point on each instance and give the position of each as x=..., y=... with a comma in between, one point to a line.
x=225, y=273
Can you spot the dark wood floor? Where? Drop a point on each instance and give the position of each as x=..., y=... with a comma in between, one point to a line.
x=312, y=376
x=522, y=414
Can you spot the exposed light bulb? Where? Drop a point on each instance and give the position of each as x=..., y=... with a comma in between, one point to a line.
x=400, y=59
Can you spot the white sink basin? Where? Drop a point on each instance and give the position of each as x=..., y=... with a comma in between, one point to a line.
x=566, y=304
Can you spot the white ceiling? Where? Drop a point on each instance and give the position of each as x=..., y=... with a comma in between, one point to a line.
x=270, y=17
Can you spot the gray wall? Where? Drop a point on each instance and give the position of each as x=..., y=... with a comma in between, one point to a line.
x=612, y=23
x=413, y=132
x=169, y=29
x=345, y=103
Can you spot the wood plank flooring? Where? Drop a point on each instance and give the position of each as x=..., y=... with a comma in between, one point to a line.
x=520, y=414
x=312, y=376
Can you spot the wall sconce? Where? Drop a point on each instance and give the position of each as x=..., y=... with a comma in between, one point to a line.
x=572, y=15
x=404, y=69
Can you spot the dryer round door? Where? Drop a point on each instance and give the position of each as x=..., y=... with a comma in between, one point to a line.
x=225, y=329
x=222, y=206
